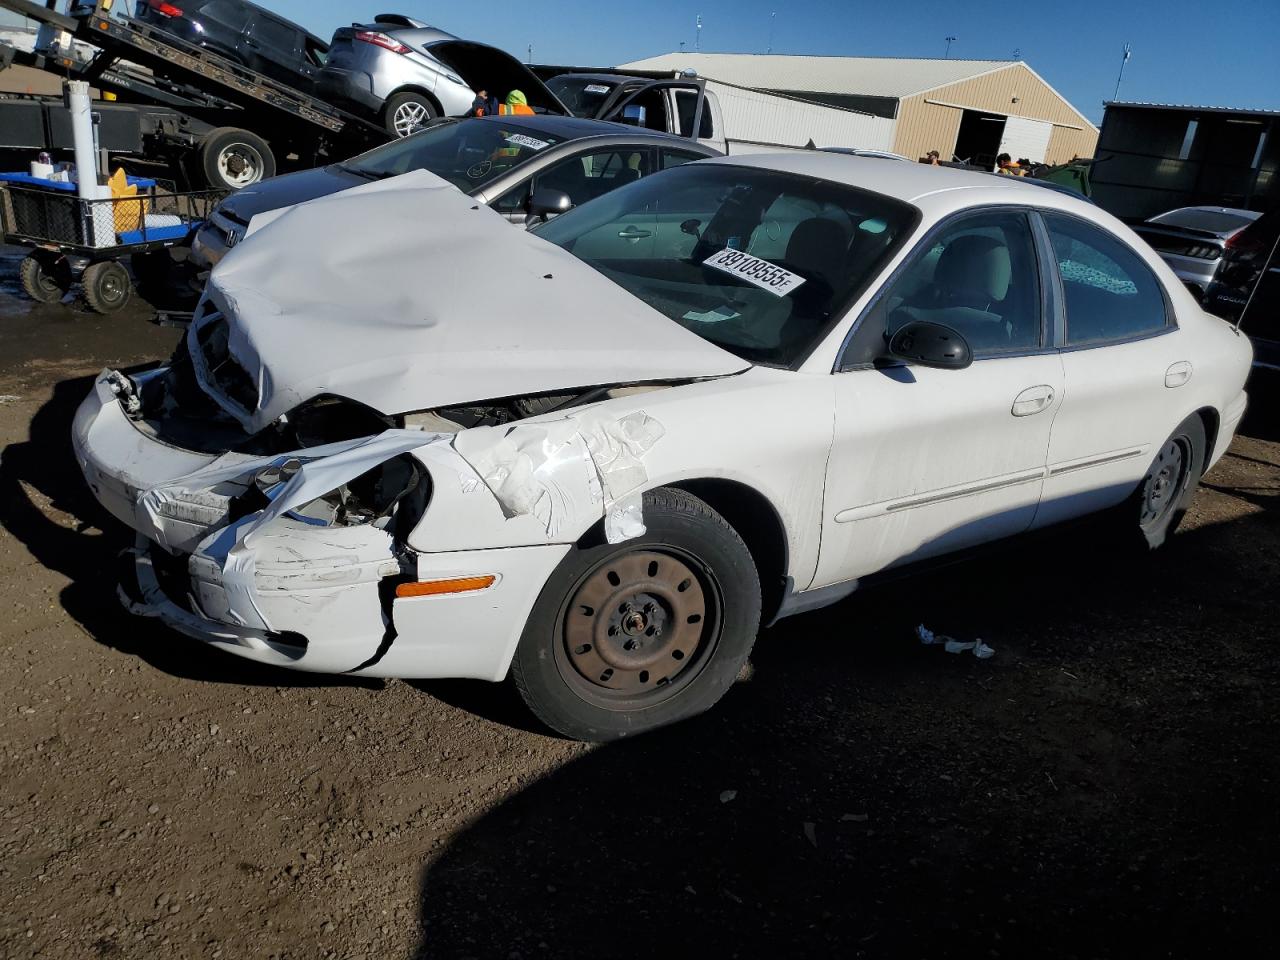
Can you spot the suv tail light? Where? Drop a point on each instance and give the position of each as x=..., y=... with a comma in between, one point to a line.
x=164, y=9
x=1246, y=243
x=381, y=40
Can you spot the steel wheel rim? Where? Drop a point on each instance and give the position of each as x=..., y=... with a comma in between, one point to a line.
x=111, y=287
x=240, y=165
x=641, y=639
x=1163, y=485
x=409, y=118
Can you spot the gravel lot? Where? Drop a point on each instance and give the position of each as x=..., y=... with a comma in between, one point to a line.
x=1105, y=785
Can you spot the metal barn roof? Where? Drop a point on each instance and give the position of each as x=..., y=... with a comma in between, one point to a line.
x=866, y=76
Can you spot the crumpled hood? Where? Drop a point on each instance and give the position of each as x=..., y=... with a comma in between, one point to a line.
x=407, y=294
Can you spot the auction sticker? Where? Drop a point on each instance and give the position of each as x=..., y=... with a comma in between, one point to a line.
x=520, y=140
x=762, y=273
x=596, y=88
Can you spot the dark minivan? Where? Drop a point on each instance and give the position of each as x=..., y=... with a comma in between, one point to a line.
x=255, y=38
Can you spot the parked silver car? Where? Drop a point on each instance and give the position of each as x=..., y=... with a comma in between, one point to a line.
x=1193, y=240
x=405, y=73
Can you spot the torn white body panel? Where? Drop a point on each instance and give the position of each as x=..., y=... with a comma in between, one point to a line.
x=490, y=311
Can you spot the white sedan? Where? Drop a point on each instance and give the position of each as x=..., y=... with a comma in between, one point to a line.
x=402, y=439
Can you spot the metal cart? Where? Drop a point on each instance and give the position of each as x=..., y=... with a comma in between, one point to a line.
x=71, y=236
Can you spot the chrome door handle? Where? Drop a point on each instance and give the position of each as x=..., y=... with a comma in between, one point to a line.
x=1033, y=400
x=1178, y=374
x=634, y=233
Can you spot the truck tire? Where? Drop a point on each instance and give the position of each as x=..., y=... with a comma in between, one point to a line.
x=46, y=276
x=406, y=113
x=107, y=286
x=231, y=158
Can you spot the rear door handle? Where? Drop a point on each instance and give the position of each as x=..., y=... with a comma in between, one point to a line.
x=1178, y=374
x=1032, y=400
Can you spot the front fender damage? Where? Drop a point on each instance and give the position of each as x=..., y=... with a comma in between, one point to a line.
x=277, y=571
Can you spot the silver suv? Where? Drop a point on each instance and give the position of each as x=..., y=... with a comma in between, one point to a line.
x=406, y=73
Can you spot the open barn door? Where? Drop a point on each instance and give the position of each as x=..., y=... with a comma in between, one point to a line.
x=1026, y=139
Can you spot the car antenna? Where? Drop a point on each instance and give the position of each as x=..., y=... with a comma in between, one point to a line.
x=1266, y=264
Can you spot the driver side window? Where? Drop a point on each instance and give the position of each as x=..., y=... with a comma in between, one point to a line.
x=978, y=276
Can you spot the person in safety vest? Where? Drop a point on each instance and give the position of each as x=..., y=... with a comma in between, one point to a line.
x=517, y=104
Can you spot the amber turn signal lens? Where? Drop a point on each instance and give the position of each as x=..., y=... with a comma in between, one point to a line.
x=434, y=588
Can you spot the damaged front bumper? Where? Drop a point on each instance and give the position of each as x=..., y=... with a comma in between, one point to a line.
x=274, y=585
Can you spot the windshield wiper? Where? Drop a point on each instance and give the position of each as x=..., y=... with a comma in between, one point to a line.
x=368, y=174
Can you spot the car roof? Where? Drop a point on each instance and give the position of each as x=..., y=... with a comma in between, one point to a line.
x=908, y=182
x=575, y=128
x=1233, y=211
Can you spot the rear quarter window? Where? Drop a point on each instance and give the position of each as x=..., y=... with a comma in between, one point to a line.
x=1111, y=294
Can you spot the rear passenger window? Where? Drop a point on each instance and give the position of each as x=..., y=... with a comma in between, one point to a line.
x=674, y=158
x=225, y=13
x=275, y=35
x=1110, y=293
x=977, y=276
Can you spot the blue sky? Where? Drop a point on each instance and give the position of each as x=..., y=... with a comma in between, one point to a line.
x=1183, y=51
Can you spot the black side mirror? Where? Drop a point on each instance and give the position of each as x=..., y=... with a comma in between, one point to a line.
x=547, y=202
x=931, y=345
x=691, y=226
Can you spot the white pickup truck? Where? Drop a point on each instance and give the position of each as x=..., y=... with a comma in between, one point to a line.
x=728, y=117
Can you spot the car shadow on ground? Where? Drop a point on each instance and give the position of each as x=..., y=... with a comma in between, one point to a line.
x=1100, y=787
x=45, y=504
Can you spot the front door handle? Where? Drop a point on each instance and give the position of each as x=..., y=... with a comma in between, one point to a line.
x=1178, y=374
x=634, y=233
x=1032, y=400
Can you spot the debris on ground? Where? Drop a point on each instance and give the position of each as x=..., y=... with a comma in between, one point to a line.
x=952, y=645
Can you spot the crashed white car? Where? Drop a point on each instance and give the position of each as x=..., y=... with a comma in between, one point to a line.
x=404, y=440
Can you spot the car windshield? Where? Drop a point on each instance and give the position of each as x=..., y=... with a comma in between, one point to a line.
x=759, y=262
x=1211, y=221
x=468, y=153
x=582, y=96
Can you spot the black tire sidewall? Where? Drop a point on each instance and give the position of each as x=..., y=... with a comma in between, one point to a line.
x=673, y=519
x=223, y=137
x=1191, y=432
x=94, y=286
x=35, y=271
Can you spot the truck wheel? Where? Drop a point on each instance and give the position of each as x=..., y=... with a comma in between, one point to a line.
x=629, y=637
x=231, y=158
x=107, y=286
x=407, y=113
x=46, y=276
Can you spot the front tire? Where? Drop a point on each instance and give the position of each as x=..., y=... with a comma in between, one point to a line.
x=107, y=286
x=629, y=637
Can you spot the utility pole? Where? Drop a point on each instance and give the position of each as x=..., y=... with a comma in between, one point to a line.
x=530, y=60
x=773, y=17
x=697, y=37
x=1128, y=50
x=950, y=40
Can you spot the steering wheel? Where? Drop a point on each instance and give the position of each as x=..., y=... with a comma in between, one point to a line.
x=478, y=170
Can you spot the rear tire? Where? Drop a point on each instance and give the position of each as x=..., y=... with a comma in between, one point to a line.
x=45, y=276
x=406, y=113
x=107, y=286
x=231, y=159
x=629, y=637
x=1162, y=499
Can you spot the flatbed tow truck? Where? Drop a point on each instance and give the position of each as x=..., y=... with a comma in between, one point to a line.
x=212, y=122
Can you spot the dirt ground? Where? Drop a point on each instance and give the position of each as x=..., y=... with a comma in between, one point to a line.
x=1105, y=786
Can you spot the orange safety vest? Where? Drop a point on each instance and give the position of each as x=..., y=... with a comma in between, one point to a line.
x=519, y=109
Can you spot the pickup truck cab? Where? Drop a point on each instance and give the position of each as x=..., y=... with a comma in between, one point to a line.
x=669, y=105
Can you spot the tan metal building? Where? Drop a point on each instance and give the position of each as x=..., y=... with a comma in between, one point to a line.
x=965, y=109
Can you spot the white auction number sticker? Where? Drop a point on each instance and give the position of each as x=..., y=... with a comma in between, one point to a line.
x=520, y=140
x=762, y=273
